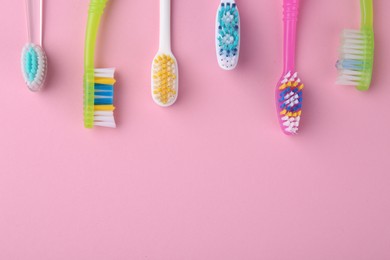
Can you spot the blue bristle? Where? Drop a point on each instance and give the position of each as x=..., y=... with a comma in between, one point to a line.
x=228, y=29
x=104, y=87
x=350, y=64
x=104, y=93
x=103, y=101
x=294, y=108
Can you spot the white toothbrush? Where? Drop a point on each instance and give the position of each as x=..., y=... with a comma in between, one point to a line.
x=33, y=58
x=227, y=35
x=165, y=75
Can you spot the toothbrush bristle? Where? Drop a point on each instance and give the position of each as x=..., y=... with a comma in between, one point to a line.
x=34, y=66
x=290, y=102
x=228, y=35
x=104, y=98
x=164, y=79
x=356, y=58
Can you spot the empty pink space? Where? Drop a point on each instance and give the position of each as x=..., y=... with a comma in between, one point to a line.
x=211, y=177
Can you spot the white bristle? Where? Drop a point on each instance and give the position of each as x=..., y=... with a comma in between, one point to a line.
x=105, y=73
x=106, y=119
x=103, y=113
x=291, y=124
x=353, y=54
x=105, y=124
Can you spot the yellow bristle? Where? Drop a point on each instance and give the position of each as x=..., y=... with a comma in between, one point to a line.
x=283, y=112
x=105, y=81
x=164, y=84
x=282, y=87
x=104, y=108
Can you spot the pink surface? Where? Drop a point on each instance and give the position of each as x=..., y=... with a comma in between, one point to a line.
x=212, y=177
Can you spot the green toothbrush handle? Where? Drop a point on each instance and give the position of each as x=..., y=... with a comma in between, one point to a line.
x=367, y=28
x=367, y=13
x=96, y=9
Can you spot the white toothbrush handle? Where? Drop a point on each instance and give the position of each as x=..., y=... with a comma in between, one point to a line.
x=32, y=26
x=165, y=25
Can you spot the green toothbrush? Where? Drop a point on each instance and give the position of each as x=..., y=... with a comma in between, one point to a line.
x=98, y=83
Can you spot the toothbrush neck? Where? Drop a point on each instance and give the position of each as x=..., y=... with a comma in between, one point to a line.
x=291, y=8
x=366, y=13
x=165, y=25
x=34, y=20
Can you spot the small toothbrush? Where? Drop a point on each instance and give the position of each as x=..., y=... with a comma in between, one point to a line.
x=34, y=59
x=289, y=88
x=98, y=83
x=357, y=52
x=165, y=74
x=227, y=31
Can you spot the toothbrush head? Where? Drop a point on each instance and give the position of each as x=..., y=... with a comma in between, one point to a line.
x=34, y=66
x=164, y=79
x=228, y=35
x=99, y=98
x=289, y=102
x=356, y=58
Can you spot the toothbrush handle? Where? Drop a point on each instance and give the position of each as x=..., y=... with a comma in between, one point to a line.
x=291, y=10
x=96, y=9
x=367, y=13
x=34, y=27
x=165, y=25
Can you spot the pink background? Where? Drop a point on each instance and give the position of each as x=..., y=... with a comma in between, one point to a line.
x=212, y=177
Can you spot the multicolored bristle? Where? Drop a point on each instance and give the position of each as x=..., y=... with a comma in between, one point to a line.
x=34, y=66
x=164, y=74
x=104, y=98
x=289, y=100
x=99, y=98
x=228, y=35
x=356, y=59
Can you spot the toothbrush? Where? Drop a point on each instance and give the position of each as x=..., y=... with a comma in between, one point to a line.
x=289, y=88
x=165, y=74
x=98, y=83
x=227, y=30
x=34, y=59
x=357, y=52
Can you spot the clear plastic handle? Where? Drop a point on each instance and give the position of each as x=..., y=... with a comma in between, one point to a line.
x=34, y=20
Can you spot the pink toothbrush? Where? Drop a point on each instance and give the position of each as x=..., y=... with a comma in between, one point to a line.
x=289, y=89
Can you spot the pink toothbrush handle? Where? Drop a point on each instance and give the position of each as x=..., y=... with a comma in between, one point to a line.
x=291, y=10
